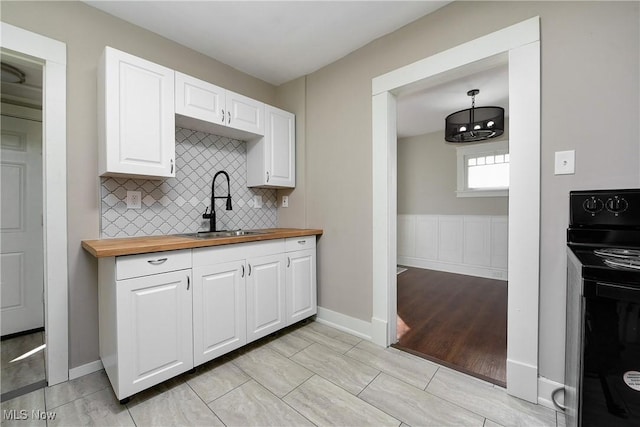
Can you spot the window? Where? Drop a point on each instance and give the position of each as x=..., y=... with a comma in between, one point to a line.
x=483, y=170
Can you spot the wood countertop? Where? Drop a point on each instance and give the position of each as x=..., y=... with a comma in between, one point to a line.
x=139, y=245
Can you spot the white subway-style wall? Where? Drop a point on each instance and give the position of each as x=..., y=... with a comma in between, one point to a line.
x=475, y=245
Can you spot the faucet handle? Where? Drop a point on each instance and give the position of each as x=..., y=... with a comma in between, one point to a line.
x=206, y=215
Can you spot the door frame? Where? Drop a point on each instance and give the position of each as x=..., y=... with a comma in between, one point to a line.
x=52, y=54
x=519, y=46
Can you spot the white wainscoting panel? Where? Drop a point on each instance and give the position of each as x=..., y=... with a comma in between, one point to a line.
x=477, y=240
x=427, y=230
x=450, y=238
x=406, y=235
x=475, y=245
x=499, y=242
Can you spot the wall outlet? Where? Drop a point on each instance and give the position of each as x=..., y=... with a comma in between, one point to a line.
x=257, y=202
x=285, y=201
x=134, y=200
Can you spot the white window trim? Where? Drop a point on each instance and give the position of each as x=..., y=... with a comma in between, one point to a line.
x=462, y=151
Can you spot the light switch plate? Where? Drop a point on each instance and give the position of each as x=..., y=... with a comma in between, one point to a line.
x=565, y=163
x=285, y=201
x=134, y=200
x=257, y=202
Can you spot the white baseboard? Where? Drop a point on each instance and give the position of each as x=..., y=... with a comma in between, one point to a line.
x=85, y=369
x=522, y=380
x=469, y=270
x=545, y=389
x=348, y=324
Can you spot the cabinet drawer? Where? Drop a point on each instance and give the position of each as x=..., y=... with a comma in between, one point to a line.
x=153, y=263
x=299, y=243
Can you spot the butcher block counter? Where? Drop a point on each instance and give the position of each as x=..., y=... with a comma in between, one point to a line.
x=101, y=248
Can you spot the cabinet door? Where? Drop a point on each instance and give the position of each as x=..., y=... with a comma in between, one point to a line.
x=265, y=296
x=280, y=148
x=136, y=116
x=244, y=113
x=154, y=329
x=199, y=99
x=219, y=315
x=301, y=285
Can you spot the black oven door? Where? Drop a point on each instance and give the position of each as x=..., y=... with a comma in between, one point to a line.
x=611, y=360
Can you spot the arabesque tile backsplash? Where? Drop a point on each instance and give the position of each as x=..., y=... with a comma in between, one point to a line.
x=175, y=205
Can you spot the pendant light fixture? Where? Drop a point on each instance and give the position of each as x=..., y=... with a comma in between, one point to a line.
x=474, y=124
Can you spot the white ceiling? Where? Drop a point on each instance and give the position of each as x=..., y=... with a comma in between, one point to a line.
x=276, y=41
x=424, y=111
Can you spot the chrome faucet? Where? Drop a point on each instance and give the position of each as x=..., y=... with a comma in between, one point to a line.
x=212, y=215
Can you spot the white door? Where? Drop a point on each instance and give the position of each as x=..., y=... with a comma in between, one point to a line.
x=301, y=285
x=265, y=296
x=21, y=241
x=155, y=340
x=219, y=315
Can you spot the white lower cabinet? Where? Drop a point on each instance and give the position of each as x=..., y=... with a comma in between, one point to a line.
x=301, y=279
x=158, y=320
x=146, y=321
x=219, y=319
x=265, y=296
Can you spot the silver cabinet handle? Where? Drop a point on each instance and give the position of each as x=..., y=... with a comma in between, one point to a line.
x=229, y=117
x=267, y=176
x=222, y=116
x=171, y=166
x=188, y=282
x=302, y=242
x=249, y=270
x=242, y=270
x=288, y=262
x=157, y=261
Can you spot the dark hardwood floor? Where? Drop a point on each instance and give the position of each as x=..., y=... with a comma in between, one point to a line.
x=456, y=320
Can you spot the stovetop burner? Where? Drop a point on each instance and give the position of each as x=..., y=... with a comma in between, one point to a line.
x=620, y=258
x=630, y=254
x=623, y=263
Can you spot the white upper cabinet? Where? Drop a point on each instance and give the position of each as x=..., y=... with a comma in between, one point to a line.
x=206, y=107
x=199, y=100
x=271, y=161
x=136, y=118
x=244, y=113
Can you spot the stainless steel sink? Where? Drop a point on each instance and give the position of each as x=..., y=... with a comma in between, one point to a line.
x=219, y=234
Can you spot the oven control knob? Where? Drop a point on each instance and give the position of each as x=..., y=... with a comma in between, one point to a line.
x=593, y=205
x=617, y=204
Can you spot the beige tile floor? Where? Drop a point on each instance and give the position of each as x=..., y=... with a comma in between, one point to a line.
x=309, y=375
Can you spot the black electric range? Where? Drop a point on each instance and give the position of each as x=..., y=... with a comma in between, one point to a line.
x=602, y=360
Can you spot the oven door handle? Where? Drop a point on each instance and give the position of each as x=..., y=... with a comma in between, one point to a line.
x=619, y=292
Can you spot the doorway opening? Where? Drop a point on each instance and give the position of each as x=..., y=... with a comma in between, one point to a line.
x=452, y=216
x=50, y=56
x=21, y=227
x=518, y=46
